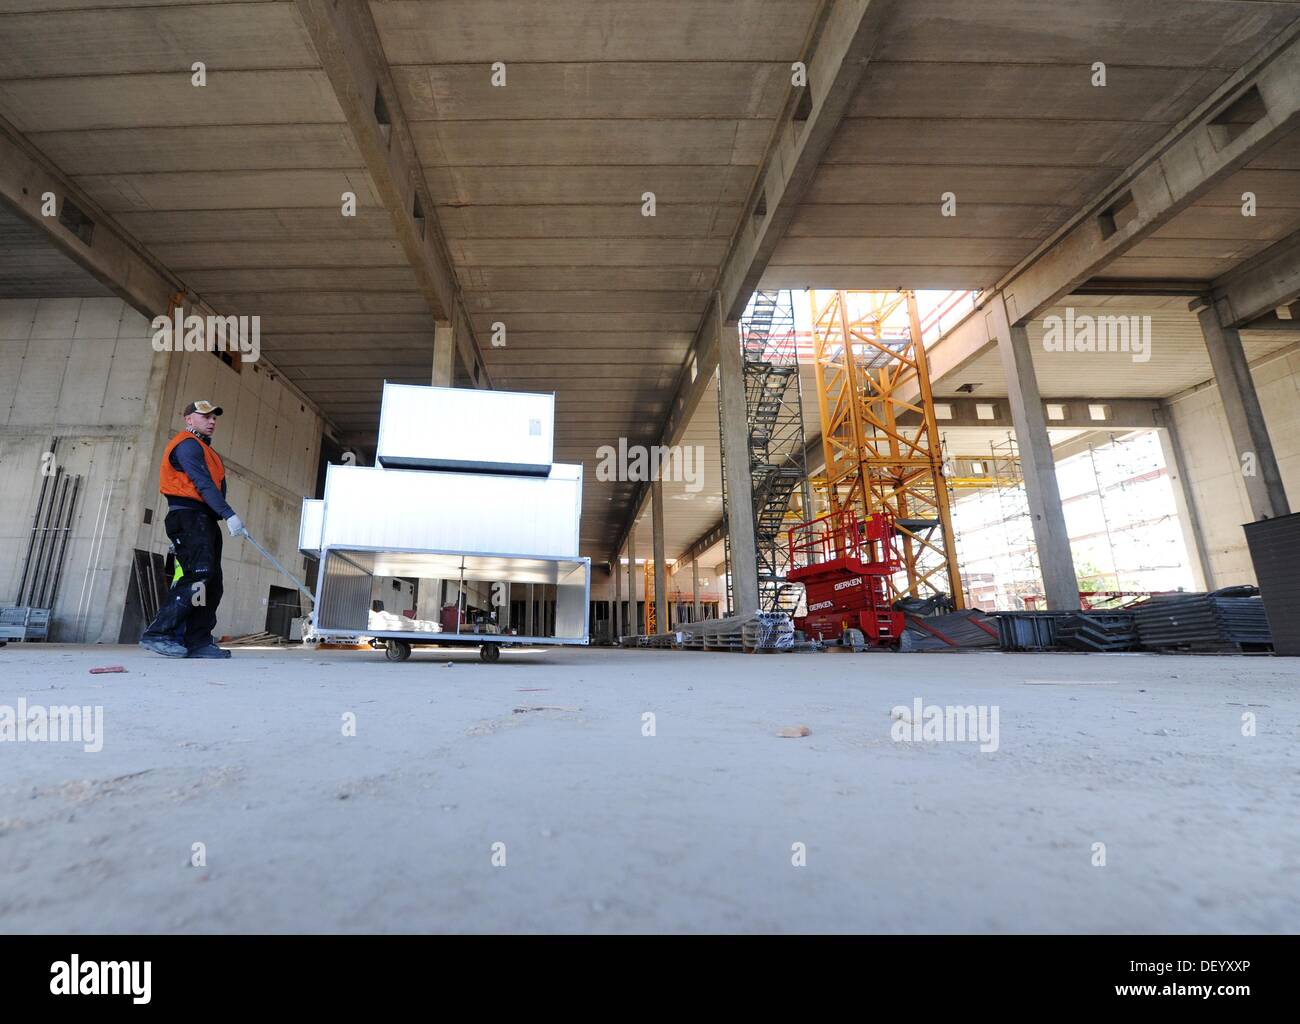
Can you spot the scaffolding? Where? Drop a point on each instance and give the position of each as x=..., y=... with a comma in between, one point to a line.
x=879, y=437
x=774, y=418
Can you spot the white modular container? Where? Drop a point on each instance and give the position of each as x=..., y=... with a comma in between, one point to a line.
x=466, y=429
x=309, y=528
x=472, y=513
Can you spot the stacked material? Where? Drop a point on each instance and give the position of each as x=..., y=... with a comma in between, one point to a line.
x=962, y=630
x=1227, y=621
x=762, y=631
x=1099, y=631
x=1028, y=631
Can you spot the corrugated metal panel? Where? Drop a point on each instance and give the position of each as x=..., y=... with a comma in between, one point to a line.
x=466, y=512
x=343, y=600
x=1275, y=552
x=466, y=429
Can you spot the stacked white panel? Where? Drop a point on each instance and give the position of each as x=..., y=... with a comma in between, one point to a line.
x=466, y=429
x=474, y=513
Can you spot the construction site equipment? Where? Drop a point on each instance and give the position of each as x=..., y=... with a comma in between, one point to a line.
x=1098, y=631
x=757, y=633
x=879, y=436
x=775, y=436
x=466, y=430
x=24, y=623
x=1275, y=553
x=651, y=626
x=470, y=527
x=844, y=563
x=964, y=630
x=1231, y=620
x=1028, y=630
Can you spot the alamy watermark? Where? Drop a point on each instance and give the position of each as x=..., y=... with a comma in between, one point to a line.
x=639, y=463
x=36, y=723
x=193, y=333
x=930, y=723
x=1086, y=332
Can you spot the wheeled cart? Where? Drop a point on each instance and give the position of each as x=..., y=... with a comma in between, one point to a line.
x=480, y=509
x=346, y=578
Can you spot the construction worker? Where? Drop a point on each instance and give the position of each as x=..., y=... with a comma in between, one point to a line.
x=193, y=479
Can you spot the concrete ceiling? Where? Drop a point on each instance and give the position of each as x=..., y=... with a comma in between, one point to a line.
x=537, y=187
x=994, y=102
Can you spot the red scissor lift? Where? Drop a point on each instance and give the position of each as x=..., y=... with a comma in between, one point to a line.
x=843, y=562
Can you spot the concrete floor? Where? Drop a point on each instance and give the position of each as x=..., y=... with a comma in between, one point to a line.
x=689, y=830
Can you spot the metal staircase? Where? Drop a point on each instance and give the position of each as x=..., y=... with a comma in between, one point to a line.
x=774, y=411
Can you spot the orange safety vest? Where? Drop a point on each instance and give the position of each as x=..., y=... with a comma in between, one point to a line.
x=172, y=482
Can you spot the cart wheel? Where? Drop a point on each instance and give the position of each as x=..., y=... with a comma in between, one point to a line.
x=490, y=652
x=397, y=650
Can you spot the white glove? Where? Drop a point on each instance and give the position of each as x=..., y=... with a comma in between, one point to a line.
x=236, y=526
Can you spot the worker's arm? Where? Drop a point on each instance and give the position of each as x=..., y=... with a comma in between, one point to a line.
x=189, y=460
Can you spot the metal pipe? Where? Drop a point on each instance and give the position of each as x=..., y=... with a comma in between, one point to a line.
x=63, y=541
x=36, y=520
x=56, y=516
x=42, y=531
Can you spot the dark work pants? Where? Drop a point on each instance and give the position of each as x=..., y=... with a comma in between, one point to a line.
x=190, y=611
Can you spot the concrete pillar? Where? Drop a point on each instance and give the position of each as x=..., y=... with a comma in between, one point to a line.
x=661, y=576
x=616, y=611
x=740, y=492
x=1250, y=440
x=1189, y=521
x=695, y=589
x=1060, y=585
x=444, y=353
x=633, y=619
x=529, y=611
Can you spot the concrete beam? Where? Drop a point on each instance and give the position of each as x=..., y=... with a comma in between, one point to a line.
x=811, y=118
x=350, y=52
x=1249, y=432
x=1037, y=466
x=836, y=60
x=444, y=354
x=1256, y=106
x=1058, y=413
x=1259, y=287
x=102, y=248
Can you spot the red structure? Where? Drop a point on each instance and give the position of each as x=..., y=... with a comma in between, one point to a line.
x=844, y=563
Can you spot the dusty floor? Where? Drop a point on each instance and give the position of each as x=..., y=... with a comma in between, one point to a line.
x=691, y=829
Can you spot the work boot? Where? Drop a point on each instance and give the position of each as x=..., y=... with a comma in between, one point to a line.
x=210, y=651
x=161, y=645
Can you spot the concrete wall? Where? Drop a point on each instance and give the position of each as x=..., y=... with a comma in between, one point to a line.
x=83, y=371
x=1213, y=471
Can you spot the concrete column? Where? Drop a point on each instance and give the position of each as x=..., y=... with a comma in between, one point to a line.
x=1060, y=585
x=695, y=589
x=616, y=612
x=661, y=576
x=529, y=611
x=1250, y=440
x=444, y=353
x=740, y=492
x=1189, y=521
x=633, y=619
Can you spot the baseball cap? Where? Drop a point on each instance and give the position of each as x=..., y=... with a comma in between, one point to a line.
x=202, y=407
